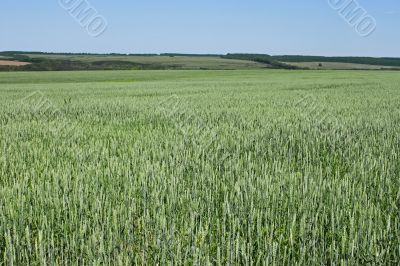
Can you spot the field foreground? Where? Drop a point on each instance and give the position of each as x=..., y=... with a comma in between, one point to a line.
x=266, y=167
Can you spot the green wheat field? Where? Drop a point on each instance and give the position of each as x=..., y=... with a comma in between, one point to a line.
x=245, y=167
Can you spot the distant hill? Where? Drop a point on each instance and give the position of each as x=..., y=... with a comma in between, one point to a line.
x=81, y=61
x=261, y=58
x=41, y=61
x=383, y=61
x=285, y=61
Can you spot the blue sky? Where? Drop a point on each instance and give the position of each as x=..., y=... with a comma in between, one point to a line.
x=309, y=27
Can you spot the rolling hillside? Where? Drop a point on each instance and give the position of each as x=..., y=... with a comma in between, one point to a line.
x=67, y=62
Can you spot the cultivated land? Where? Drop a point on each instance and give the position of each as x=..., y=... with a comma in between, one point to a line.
x=160, y=61
x=338, y=65
x=267, y=167
x=78, y=62
x=12, y=63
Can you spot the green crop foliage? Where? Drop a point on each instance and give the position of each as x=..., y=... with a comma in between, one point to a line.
x=200, y=168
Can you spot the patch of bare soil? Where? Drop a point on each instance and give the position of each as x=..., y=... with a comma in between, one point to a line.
x=13, y=63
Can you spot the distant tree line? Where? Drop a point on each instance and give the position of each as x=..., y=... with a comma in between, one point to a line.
x=14, y=53
x=191, y=55
x=44, y=63
x=382, y=61
x=260, y=58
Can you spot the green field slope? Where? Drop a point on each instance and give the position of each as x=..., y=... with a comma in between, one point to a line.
x=41, y=62
x=338, y=66
x=184, y=167
x=232, y=61
x=175, y=62
x=377, y=61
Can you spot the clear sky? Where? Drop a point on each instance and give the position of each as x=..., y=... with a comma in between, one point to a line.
x=308, y=27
